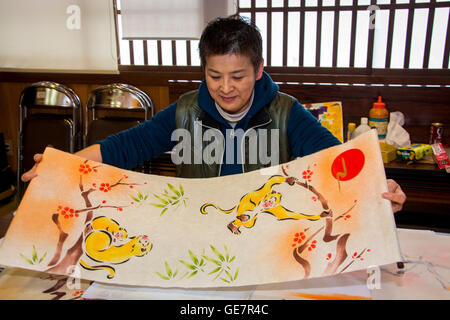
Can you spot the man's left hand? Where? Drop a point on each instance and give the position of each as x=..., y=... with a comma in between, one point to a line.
x=395, y=194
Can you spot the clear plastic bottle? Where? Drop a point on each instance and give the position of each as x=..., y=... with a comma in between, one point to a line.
x=363, y=127
x=378, y=118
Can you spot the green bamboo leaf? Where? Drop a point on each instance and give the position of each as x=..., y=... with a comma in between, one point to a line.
x=146, y=196
x=164, y=211
x=181, y=190
x=190, y=266
x=135, y=199
x=169, y=272
x=164, y=277
x=229, y=275
x=45, y=254
x=227, y=256
x=140, y=195
x=161, y=199
x=218, y=275
x=232, y=258
x=236, y=274
x=175, y=273
x=193, y=257
x=225, y=280
x=26, y=259
x=215, y=270
x=173, y=189
x=193, y=274
x=213, y=260
x=158, y=205
x=34, y=257
x=217, y=253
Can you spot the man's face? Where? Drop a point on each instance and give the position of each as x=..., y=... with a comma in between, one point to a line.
x=230, y=79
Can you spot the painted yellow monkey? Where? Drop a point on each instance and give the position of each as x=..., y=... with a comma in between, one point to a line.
x=263, y=200
x=106, y=241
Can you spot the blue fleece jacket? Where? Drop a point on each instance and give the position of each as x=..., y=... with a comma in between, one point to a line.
x=132, y=147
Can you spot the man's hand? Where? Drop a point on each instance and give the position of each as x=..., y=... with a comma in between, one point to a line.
x=395, y=194
x=30, y=174
x=92, y=152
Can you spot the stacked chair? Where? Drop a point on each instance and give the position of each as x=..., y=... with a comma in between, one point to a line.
x=50, y=115
x=113, y=108
x=7, y=188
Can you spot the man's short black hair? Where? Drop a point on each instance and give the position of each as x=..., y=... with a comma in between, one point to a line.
x=234, y=34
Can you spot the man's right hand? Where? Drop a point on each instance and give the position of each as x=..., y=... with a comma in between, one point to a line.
x=30, y=174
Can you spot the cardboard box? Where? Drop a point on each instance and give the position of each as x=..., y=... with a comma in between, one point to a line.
x=414, y=152
x=387, y=152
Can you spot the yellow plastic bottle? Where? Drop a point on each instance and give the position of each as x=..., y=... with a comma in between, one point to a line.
x=350, y=129
x=378, y=118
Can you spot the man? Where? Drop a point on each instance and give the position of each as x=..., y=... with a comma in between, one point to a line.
x=238, y=104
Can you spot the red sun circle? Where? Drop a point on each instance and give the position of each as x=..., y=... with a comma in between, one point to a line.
x=348, y=164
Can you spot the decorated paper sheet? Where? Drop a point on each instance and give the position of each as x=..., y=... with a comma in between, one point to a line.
x=316, y=216
x=329, y=115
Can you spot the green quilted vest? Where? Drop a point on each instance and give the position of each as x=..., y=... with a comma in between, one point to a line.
x=189, y=115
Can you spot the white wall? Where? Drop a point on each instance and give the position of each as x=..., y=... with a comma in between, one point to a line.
x=58, y=36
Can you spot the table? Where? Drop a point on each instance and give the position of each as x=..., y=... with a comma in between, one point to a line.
x=428, y=194
x=425, y=275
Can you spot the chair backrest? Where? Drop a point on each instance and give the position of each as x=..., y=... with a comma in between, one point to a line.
x=113, y=108
x=50, y=114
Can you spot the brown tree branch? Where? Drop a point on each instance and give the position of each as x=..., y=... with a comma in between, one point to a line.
x=62, y=238
x=74, y=254
x=351, y=262
x=341, y=255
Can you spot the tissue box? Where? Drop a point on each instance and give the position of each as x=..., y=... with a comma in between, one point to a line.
x=413, y=153
x=387, y=152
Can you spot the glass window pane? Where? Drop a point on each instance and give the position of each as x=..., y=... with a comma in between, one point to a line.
x=152, y=52
x=124, y=52
x=244, y=3
x=261, y=23
x=418, y=38
x=138, y=50
x=277, y=3
x=346, y=2
x=180, y=46
x=380, y=38
x=344, y=38
x=293, y=39
x=326, y=39
x=438, y=37
x=309, y=49
x=399, y=38
x=310, y=3
x=277, y=39
x=195, y=56
x=261, y=3
x=361, y=39
x=166, y=49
